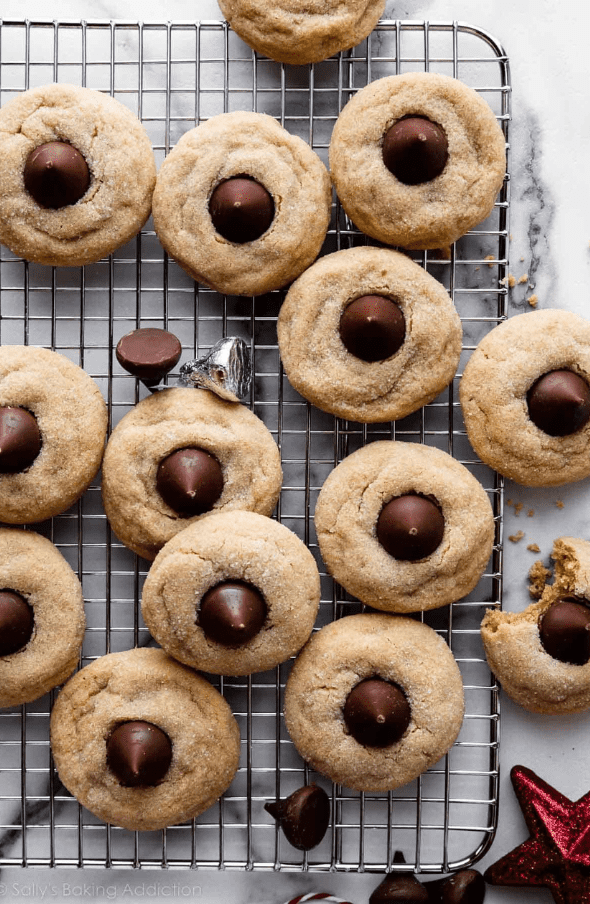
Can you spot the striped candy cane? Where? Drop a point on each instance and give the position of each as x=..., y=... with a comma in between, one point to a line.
x=318, y=896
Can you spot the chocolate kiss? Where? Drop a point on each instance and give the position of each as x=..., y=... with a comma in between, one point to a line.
x=467, y=886
x=16, y=622
x=410, y=527
x=564, y=629
x=149, y=354
x=372, y=327
x=241, y=209
x=190, y=481
x=20, y=440
x=232, y=612
x=376, y=712
x=139, y=754
x=303, y=816
x=56, y=175
x=559, y=402
x=415, y=150
x=399, y=888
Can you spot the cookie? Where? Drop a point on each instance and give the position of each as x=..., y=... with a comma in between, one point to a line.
x=41, y=617
x=77, y=173
x=526, y=399
x=390, y=651
x=51, y=412
x=242, y=205
x=290, y=31
x=233, y=594
x=149, y=490
x=541, y=656
x=435, y=120
x=366, y=334
x=404, y=527
x=190, y=767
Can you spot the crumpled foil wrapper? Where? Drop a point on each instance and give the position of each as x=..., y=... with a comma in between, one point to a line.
x=225, y=370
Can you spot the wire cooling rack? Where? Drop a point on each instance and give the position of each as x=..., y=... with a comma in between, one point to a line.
x=174, y=76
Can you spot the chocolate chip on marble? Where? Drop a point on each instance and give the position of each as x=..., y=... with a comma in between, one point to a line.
x=16, y=622
x=148, y=353
x=190, y=481
x=467, y=886
x=559, y=402
x=303, y=816
x=372, y=327
x=241, y=209
x=376, y=712
x=139, y=753
x=564, y=630
x=20, y=439
x=410, y=527
x=56, y=175
x=415, y=150
x=232, y=613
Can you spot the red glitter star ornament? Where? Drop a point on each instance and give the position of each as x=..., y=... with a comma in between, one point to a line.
x=557, y=854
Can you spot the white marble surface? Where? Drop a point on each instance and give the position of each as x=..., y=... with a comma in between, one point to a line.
x=550, y=65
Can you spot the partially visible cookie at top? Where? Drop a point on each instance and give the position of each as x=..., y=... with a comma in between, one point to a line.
x=525, y=395
x=77, y=173
x=241, y=204
x=404, y=527
x=292, y=31
x=53, y=424
x=367, y=334
x=179, y=455
x=541, y=656
x=417, y=159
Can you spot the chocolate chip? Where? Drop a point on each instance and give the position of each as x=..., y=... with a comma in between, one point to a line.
x=232, y=612
x=20, y=440
x=376, y=712
x=190, y=481
x=559, y=402
x=372, y=327
x=16, y=622
x=304, y=816
x=564, y=629
x=56, y=175
x=415, y=150
x=139, y=754
x=399, y=888
x=149, y=354
x=241, y=209
x=467, y=886
x=410, y=527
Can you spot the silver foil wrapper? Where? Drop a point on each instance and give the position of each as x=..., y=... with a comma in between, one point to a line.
x=226, y=370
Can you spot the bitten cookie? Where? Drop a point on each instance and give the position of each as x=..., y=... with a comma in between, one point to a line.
x=41, y=617
x=292, y=31
x=179, y=455
x=234, y=594
x=53, y=423
x=417, y=159
x=541, y=656
x=404, y=527
x=77, y=172
x=142, y=741
x=241, y=204
x=374, y=700
x=368, y=335
x=525, y=395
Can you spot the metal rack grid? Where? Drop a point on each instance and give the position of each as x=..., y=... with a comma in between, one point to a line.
x=173, y=76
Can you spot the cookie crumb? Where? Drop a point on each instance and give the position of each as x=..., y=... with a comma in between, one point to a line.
x=490, y=257
x=516, y=538
x=530, y=513
x=559, y=503
x=523, y=279
x=539, y=577
x=518, y=507
x=534, y=547
x=533, y=300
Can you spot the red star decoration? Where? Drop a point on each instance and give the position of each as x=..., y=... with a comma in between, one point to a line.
x=557, y=853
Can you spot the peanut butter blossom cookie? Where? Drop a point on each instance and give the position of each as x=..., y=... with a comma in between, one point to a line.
x=51, y=413
x=374, y=700
x=233, y=594
x=404, y=527
x=242, y=205
x=142, y=741
x=77, y=173
x=302, y=31
x=41, y=617
x=417, y=159
x=525, y=395
x=178, y=456
x=368, y=335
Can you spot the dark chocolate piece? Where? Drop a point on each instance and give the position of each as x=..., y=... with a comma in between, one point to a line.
x=149, y=354
x=410, y=527
x=415, y=150
x=564, y=629
x=190, y=481
x=467, y=886
x=399, y=888
x=20, y=440
x=139, y=754
x=56, y=175
x=241, y=209
x=16, y=622
x=376, y=712
x=232, y=612
x=304, y=816
x=559, y=402
x=372, y=327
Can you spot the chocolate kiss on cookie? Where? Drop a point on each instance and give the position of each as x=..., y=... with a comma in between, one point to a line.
x=564, y=629
x=149, y=354
x=139, y=753
x=303, y=816
x=372, y=327
x=56, y=175
x=241, y=209
x=16, y=622
x=232, y=612
x=20, y=439
x=415, y=150
x=376, y=712
x=410, y=527
x=190, y=481
x=559, y=402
